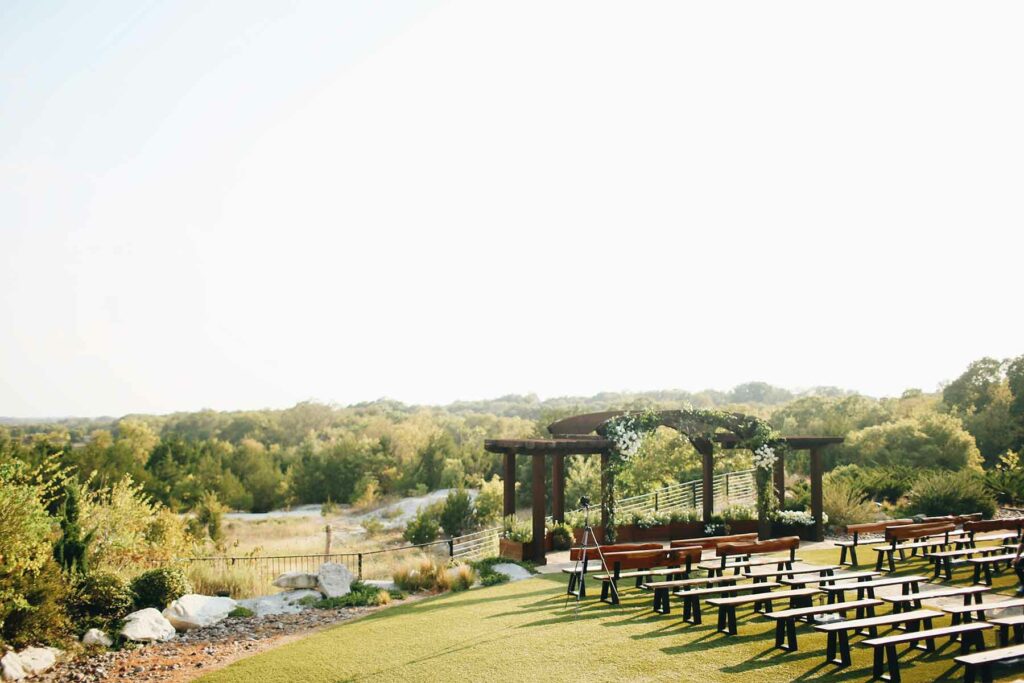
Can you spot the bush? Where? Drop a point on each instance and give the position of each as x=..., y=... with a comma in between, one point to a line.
x=209, y=513
x=423, y=528
x=561, y=536
x=416, y=575
x=71, y=548
x=889, y=483
x=372, y=526
x=160, y=587
x=41, y=615
x=1006, y=485
x=517, y=531
x=458, y=515
x=739, y=513
x=361, y=595
x=100, y=598
x=489, y=577
x=464, y=578
x=846, y=503
x=236, y=581
x=950, y=493
x=490, y=501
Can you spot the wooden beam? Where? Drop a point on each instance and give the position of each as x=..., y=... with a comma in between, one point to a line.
x=708, y=488
x=558, y=487
x=539, y=555
x=817, y=474
x=605, y=460
x=780, y=480
x=509, y=502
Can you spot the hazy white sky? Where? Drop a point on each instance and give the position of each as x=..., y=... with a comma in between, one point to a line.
x=247, y=204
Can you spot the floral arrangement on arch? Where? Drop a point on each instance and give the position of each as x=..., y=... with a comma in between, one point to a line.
x=627, y=432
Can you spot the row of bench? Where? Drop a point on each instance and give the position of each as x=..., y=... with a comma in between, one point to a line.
x=666, y=572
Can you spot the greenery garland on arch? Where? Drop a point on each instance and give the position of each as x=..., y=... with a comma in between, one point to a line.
x=627, y=432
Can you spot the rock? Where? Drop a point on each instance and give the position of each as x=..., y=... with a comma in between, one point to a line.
x=334, y=580
x=36, y=660
x=11, y=667
x=147, y=626
x=383, y=584
x=513, y=571
x=281, y=603
x=94, y=636
x=293, y=580
x=198, y=611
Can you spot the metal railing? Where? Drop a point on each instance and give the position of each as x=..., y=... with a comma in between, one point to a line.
x=731, y=488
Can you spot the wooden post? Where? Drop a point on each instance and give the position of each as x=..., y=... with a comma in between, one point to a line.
x=558, y=487
x=708, y=463
x=509, y=502
x=817, y=473
x=605, y=495
x=327, y=546
x=780, y=479
x=539, y=555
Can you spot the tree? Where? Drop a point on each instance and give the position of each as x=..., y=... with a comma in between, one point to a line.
x=971, y=391
x=929, y=442
x=458, y=515
x=71, y=548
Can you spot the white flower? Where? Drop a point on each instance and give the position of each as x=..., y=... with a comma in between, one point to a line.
x=764, y=457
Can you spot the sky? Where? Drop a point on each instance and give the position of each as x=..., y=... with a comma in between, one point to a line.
x=249, y=203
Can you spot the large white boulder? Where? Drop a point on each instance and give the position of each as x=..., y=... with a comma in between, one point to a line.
x=94, y=636
x=11, y=668
x=295, y=580
x=287, y=602
x=513, y=571
x=147, y=626
x=334, y=580
x=198, y=611
x=36, y=660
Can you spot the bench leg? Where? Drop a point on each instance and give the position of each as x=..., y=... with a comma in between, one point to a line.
x=830, y=648
x=894, y=664
x=892, y=562
x=780, y=633
x=878, y=562
x=853, y=555
x=842, y=555
x=722, y=618
x=878, y=665
x=844, y=648
x=661, y=601
x=949, y=568
x=791, y=634
x=1018, y=634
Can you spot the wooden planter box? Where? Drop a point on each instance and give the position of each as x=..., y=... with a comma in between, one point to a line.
x=804, y=531
x=577, y=535
x=746, y=526
x=515, y=551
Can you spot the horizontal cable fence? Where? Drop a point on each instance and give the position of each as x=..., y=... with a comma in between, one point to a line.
x=731, y=488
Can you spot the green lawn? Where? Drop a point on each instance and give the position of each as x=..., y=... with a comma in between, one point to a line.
x=524, y=632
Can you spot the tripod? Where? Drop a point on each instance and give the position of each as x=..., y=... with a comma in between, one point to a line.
x=579, y=574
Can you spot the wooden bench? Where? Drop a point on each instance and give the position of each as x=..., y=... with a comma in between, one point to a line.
x=945, y=559
x=970, y=635
x=750, y=548
x=800, y=582
x=901, y=538
x=785, y=620
x=964, y=612
x=691, y=598
x=984, y=565
x=910, y=585
x=909, y=601
x=982, y=661
x=1005, y=624
x=642, y=562
x=839, y=631
x=822, y=571
x=1013, y=527
x=799, y=597
x=857, y=530
x=662, y=589
x=594, y=555
x=712, y=542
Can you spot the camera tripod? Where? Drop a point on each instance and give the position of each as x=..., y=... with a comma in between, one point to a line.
x=579, y=574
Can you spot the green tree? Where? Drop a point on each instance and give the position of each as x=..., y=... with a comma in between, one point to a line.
x=929, y=442
x=72, y=547
x=458, y=515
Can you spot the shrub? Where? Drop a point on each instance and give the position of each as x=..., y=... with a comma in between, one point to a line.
x=489, y=577
x=360, y=595
x=26, y=536
x=458, y=515
x=950, y=493
x=889, y=483
x=442, y=579
x=423, y=528
x=416, y=575
x=236, y=581
x=160, y=587
x=846, y=503
x=739, y=513
x=71, y=548
x=101, y=597
x=41, y=614
x=209, y=513
x=372, y=526
x=561, y=536
x=518, y=531
x=490, y=501
x=1007, y=485
x=241, y=612
x=464, y=578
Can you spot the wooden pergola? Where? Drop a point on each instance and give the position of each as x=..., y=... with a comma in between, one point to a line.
x=575, y=436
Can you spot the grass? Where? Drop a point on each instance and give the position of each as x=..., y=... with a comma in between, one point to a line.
x=524, y=631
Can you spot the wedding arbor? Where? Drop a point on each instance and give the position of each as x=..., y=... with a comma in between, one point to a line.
x=611, y=434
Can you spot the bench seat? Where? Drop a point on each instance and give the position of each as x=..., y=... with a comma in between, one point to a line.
x=785, y=620
x=825, y=580
x=824, y=569
x=886, y=656
x=983, y=565
x=691, y=598
x=945, y=559
x=799, y=597
x=839, y=631
x=966, y=612
x=716, y=566
x=1005, y=624
x=866, y=589
x=661, y=588
x=982, y=661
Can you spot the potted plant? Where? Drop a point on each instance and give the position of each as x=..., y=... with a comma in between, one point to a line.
x=794, y=523
x=576, y=520
x=559, y=536
x=516, y=541
x=738, y=519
